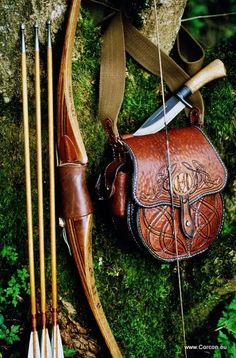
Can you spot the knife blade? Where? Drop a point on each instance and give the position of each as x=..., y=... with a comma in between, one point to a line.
x=162, y=116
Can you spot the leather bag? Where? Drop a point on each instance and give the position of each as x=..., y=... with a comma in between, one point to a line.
x=174, y=221
x=140, y=196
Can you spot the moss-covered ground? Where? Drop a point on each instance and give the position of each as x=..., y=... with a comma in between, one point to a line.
x=140, y=295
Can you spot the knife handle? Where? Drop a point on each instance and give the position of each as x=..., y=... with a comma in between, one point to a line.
x=214, y=70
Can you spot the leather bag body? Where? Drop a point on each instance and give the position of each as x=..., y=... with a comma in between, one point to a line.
x=164, y=189
x=137, y=184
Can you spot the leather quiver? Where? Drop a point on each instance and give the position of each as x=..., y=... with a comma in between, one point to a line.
x=177, y=225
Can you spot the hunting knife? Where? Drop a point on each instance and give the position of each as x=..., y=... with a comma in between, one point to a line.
x=160, y=118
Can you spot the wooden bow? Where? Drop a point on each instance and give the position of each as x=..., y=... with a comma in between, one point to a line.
x=76, y=204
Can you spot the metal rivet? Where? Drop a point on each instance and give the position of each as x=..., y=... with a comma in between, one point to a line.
x=188, y=223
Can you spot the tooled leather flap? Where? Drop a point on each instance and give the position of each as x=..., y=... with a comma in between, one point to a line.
x=196, y=168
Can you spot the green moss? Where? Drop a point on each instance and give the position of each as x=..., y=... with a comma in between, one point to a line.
x=220, y=123
x=227, y=330
x=134, y=289
x=141, y=97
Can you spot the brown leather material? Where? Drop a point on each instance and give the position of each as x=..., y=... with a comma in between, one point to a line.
x=119, y=198
x=197, y=169
x=187, y=221
x=110, y=175
x=156, y=230
x=106, y=183
x=169, y=229
x=75, y=199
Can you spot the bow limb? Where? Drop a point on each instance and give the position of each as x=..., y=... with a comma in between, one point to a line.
x=75, y=199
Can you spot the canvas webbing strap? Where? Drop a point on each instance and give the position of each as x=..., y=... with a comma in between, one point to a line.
x=122, y=36
x=112, y=72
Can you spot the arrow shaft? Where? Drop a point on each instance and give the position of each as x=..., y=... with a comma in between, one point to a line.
x=52, y=177
x=33, y=346
x=57, y=349
x=28, y=185
x=40, y=180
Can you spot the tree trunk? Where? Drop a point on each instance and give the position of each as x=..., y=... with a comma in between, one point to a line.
x=29, y=12
x=169, y=14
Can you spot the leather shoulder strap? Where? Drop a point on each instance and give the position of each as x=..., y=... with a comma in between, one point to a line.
x=119, y=37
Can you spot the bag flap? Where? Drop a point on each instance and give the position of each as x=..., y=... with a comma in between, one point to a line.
x=196, y=167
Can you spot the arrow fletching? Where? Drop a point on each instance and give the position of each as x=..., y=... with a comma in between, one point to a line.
x=56, y=343
x=46, y=348
x=34, y=350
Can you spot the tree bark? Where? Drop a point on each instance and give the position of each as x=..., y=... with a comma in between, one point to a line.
x=169, y=14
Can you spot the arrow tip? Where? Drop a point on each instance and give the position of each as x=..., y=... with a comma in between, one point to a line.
x=36, y=28
x=49, y=23
x=22, y=27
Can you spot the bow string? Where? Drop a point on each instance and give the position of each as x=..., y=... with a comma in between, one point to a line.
x=169, y=164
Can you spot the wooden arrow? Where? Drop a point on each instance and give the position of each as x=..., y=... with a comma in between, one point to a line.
x=57, y=348
x=33, y=350
x=46, y=350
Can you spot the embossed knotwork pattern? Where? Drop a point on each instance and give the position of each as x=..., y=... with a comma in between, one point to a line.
x=197, y=169
x=157, y=232
x=197, y=175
